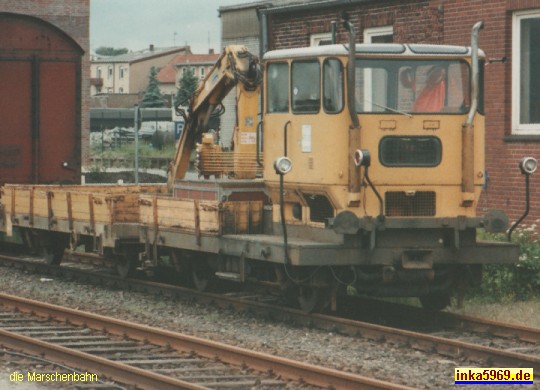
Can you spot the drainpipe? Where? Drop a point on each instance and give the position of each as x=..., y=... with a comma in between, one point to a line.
x=263, y=33
x=467, y=131
x=353, y=197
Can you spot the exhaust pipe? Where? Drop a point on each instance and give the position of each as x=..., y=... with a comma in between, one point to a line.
x=354, y=130
x=467, y=131
x=475, y=71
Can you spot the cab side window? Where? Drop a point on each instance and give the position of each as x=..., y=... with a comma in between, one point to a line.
x=333, y=85
x=277, y=85
x=306, y=88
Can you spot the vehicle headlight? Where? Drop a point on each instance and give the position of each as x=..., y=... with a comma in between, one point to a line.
x=528, y=165
x=362, y=157
x=283, y=165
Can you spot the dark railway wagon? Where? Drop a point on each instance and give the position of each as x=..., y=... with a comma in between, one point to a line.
x=40, y=102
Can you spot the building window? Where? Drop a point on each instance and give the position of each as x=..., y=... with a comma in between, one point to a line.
x=98, y=75
x=121, y=72
x=379, y=35
x=320, y=39
x=201, y=72
x=110, y=72
x=525, y=72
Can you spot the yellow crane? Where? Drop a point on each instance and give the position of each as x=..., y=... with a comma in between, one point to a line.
x=235, y=67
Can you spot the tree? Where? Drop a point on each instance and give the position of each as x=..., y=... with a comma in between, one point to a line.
x=188, y=85
x=153, y=97
x=110, y=51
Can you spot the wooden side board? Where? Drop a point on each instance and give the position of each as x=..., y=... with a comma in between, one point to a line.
x=209, y=217
x=88, y=204
x=90, y=208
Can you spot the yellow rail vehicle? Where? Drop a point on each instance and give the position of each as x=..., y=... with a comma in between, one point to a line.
x=362, y=174
x=391, y=196
x=386, y=170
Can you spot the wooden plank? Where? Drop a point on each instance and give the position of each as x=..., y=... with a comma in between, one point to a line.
x=101, y=209
x=197, y=222
x=21, y=202
x=59, y=204
x=96, y=206
x=31, y=211
x=80, y=206
x=41, y=208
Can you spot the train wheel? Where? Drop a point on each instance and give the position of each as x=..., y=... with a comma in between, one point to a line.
x=435, y=301
x=200, y=276
x=311, y=299
x=181, y=265
x=53, y=254
x=126, y=262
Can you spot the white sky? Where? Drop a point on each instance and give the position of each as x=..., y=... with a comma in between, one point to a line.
x=135, y=24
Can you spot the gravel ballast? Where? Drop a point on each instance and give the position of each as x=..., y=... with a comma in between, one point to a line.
x=383, y=361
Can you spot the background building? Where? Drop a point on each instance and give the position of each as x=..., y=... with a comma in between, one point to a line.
x=72, y=19
x=510, y=39
x=170, y=75
x=128, y=73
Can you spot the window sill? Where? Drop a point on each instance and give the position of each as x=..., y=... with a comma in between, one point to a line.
x=522, y=138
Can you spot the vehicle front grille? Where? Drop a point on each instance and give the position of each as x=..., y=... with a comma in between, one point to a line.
x=410, y=204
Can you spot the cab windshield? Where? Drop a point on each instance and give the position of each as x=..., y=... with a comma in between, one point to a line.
x=412, y=86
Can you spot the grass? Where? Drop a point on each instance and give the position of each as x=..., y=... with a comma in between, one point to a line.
x=526, y=313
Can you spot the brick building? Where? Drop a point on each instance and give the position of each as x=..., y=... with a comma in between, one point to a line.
x=510, y=39
x=72, y=18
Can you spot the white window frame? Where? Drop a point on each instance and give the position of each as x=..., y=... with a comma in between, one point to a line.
x=370, y=33
x=517, y=127
x=316, y=39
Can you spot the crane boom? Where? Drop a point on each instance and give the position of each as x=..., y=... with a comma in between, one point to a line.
x=235, y=67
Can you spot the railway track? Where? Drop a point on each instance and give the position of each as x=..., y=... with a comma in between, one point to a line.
x=518, y=346
x=151, y=358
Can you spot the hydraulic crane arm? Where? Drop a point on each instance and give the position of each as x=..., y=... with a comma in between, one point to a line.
x=235, y=66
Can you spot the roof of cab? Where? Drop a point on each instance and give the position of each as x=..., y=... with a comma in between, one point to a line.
x=373, y=49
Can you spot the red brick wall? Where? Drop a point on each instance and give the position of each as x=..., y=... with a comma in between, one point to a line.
x=72, y=17
x=505, y=189
x=448, y=22
x=293, y=29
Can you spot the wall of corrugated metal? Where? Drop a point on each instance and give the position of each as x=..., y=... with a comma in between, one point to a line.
x=239, y=24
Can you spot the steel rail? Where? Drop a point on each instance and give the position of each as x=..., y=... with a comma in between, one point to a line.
x=456, y=321
x=290, y=369
x=420, y=341
x=118, y=371
x=451, y=320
